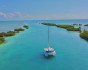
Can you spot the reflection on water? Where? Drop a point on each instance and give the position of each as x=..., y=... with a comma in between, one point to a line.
x=47, y=57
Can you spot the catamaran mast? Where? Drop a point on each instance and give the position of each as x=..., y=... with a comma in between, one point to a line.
x=48, y=36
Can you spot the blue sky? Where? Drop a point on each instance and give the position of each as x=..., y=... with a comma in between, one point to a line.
x=43, y=9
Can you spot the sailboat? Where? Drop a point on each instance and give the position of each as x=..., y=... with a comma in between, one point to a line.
x=49, y=51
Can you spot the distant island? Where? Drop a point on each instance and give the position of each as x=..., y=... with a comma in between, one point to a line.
x=26, y=26
x=83, y=34
x=11, y=33
x=68, y=27
x=86, y=25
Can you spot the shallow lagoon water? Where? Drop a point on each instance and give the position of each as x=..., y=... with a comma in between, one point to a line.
x=25, y=50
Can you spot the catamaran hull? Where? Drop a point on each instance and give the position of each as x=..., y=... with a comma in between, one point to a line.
x=49, y=54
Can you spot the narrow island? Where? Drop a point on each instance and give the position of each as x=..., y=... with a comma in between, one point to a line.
x=75, y=24
x=26, y=26
x=80, y=24
x=49, y=24
x=2, y=40
x=83, y=34
x=86, y=25
x=68, y=27
x=11, y=33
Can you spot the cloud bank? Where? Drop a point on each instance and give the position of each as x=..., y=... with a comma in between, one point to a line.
x=10, y=15
x=20, y=16
x=17, y=16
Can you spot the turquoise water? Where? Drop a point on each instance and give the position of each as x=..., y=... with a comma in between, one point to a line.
x=25, y=50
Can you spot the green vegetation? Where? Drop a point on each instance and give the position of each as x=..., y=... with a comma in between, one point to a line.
x=10, y=33
x=75, y=24
x=86, y=25
x=26, y=26
x=2, y=40
x=19, y=29
x=80, y=24
x=73, y=29
x=16, y=31
x=2, y=34
x=68, y=27
x=49, y=24
x=84, y=35
x=64, y=26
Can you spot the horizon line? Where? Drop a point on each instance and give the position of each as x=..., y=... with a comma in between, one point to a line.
x=42, y=19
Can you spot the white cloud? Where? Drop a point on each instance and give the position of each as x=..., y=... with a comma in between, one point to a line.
x=10, y=15
x=16, y=16
x=3, y=14
x=20, y=16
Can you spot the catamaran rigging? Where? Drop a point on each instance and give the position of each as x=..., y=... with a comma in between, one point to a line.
x=49, y=51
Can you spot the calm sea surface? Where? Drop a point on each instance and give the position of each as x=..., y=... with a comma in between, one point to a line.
x=25, y=50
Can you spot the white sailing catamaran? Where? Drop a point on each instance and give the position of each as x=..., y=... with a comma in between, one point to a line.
x=49, y=51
